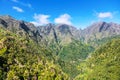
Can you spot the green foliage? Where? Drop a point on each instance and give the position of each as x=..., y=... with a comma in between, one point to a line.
x=104, y=63
x=72, y=54
x=3, y=50
x=98, y=42
x=23, y=59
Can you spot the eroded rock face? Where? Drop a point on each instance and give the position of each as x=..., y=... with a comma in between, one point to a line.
x=100, y=30
x=20, y=27
x=59, y=32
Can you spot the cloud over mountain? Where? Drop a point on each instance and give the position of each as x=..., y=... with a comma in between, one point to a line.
x=63, y=19
x=40, y=19
x=105, y=15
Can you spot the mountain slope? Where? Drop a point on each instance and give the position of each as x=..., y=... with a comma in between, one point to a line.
x=20, y=27
x=71, y=55
x=100, y=30
x=60, y=33
x=104, y=63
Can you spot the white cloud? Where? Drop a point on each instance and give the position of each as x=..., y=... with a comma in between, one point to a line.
x=105, y=15
x=63, y=19
x=23, y=4
x=18, y=9
x=41, y=19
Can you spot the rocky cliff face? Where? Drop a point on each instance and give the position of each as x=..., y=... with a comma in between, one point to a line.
x=49, y=33
x=59, y=33
x=101, y=30
x=20, y=27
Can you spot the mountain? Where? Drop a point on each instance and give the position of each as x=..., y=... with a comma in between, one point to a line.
x=60, y=33
x=100, y=30
x=20, y=27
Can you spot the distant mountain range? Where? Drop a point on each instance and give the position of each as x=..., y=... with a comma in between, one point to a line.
x=61, y=33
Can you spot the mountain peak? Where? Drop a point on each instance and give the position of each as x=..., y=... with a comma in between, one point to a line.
x=6, y=17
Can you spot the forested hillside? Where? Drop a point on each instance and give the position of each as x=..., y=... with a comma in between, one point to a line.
x=22, y=59
x=71, y=55
x=103, y=64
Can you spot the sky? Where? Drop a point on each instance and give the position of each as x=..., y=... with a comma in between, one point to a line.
x=79, y=13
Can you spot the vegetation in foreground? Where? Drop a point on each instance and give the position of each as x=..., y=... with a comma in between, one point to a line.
x=22, y=59
x=103, y=64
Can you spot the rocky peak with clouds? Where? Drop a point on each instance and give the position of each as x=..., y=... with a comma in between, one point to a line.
x=60, y=32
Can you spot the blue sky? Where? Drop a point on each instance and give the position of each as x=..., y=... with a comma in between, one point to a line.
x=79, y=13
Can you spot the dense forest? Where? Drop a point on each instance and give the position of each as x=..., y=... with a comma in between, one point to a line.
x=22, y=59
x=103, y=64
